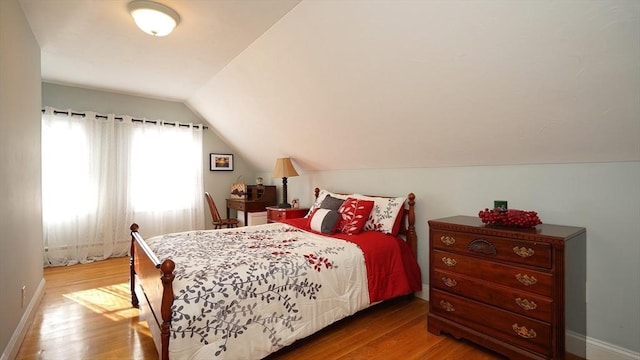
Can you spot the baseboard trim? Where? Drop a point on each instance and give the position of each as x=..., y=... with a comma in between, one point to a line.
x=575, y=343
x=424, y=293
x=601, y=350
x=11, y=351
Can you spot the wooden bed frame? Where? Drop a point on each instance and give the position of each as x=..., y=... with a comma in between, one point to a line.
x=152, y=279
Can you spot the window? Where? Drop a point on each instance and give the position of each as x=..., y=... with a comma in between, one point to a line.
x=102, y=173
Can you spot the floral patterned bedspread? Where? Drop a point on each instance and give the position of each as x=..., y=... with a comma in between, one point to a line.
x=244, y=293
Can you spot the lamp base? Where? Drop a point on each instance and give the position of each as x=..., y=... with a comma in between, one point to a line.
x=284, y=206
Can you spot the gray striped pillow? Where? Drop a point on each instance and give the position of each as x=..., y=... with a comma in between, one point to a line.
x=324, y=221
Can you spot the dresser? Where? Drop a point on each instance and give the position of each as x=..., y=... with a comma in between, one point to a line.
x=516, y=291
x=275, y=214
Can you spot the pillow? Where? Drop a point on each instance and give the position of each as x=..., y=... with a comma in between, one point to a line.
x=353, y=215
x=321, y=195
x=324, y=221
x=385, y=213
x=331, y=203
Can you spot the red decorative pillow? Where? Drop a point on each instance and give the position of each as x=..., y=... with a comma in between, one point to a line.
x=353, y=215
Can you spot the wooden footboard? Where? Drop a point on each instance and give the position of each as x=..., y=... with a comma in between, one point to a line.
x=152, y=290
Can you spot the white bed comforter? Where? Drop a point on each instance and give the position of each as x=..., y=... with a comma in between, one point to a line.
x=244, y=293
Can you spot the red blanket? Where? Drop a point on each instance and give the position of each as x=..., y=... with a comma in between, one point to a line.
x=392, y=269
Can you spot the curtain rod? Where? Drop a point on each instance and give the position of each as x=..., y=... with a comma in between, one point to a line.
x=71, y=113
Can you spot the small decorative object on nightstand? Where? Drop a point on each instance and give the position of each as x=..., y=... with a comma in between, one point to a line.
x=275, y=214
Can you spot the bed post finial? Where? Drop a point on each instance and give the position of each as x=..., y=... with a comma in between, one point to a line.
x=132, y=271
x=166, y=268
x=412, y=237
x=316, y=191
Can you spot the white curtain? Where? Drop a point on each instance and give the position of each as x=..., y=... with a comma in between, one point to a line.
x=101, y=173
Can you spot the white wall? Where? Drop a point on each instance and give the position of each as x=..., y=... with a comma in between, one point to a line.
x=602, y=197
x=20, y=176
x=217, y=183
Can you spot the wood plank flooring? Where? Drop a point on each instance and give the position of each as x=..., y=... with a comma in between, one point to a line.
x=86, y=314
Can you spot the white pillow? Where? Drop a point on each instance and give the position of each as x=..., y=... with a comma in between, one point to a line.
x=384, y=213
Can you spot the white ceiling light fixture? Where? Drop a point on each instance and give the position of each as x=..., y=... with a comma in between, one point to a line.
x=153, y=18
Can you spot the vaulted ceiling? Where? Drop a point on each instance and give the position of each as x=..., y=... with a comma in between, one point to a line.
x=360, y=84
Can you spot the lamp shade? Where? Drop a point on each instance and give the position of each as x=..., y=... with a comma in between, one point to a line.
x=153, y=18
x=284, y=168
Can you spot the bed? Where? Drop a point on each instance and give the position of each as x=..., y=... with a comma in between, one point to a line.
x=247, y=292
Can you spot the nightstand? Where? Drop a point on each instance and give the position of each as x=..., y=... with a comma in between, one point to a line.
x=275, y=214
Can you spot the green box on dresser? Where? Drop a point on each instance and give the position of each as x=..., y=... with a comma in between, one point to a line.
x=519, y=292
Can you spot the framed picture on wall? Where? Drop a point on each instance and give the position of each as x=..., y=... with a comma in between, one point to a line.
x=220, y=162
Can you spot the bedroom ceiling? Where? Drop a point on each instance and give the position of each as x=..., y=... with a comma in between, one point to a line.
x=95, y=43
x=379, y=84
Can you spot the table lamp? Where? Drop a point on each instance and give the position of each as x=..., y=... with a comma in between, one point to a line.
x=284, y=169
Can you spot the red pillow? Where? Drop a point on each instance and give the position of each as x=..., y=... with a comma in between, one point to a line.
x=353, y=215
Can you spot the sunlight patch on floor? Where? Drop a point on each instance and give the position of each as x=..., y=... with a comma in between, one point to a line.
x=141, y=327
x=113, y=302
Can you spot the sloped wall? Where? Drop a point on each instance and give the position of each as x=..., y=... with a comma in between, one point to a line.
x=403, y=84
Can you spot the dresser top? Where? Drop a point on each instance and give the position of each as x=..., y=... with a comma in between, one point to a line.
x=474, y=224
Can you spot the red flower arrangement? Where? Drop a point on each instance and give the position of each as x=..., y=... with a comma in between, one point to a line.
x=511, y=217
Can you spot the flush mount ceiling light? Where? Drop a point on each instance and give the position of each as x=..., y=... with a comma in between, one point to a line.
x=153, y=18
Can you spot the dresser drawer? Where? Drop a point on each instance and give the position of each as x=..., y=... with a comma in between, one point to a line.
x=512, y=276
x=239, y=205
x=521, y=302
x=516, y=329
x=276, y=215
x=521, y=252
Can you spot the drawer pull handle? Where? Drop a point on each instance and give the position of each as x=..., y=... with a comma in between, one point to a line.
x=523, y=252
x=449, y=261
x=526, y=280
x=447, y=306
x=482, y=246
x=448, y=240
x=449, y=281
x=526, y=304
x=523, y=332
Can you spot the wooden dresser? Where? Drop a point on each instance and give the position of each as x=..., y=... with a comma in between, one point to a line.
x=515, y=291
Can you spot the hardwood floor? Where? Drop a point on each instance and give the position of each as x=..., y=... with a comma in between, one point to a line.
x=86, y=314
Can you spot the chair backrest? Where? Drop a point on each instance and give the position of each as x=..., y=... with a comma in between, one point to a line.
x=215, y=215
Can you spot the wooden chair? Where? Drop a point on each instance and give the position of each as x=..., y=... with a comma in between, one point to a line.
x=217, y=221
